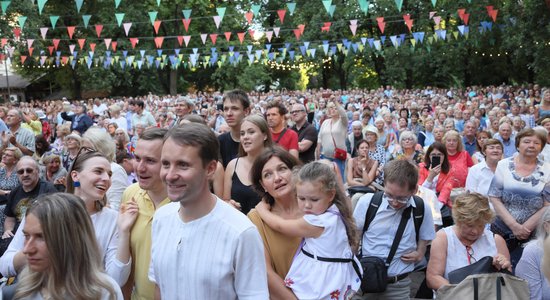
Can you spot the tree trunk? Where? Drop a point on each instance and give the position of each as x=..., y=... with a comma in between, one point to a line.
x=173, y=75
x=77, y=86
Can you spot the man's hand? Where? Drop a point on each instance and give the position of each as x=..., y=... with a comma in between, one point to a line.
x=411, y=257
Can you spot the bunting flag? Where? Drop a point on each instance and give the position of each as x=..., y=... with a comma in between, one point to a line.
x=134, y=42
x=213, y=38
x=221, y=12
x=4, y=5
x=327, y=4
x=326, y=27
x=276, y=31
x=70, y=31
x=81, y=43
x=127, y=27
x=22, y=20
x=186, y=23
x=186, y=39
x=269, y=35
x=364, y=6
x=158, y=41
x=29, y=43
x=399, y=4
x=53, y=20
x=98, y=29
x=153, y=17
x=41, y=4
x=78, y=5
x=381, y=23
x=227, y=35
x=434, y=2
x=217, y=21
x=56, y=43
x=117, y=3
x=249, y=15
x=240, y=35
x=281, y=13
x=86, y=20
x=353, y=26
x=186, y=13
x=291, y=7
x=156, y=26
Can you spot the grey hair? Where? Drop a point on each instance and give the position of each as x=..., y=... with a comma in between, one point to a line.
x=407, y=134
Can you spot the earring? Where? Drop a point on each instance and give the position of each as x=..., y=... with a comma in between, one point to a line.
x=76, y=184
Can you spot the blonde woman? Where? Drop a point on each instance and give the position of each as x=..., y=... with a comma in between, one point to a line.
x=459, y=159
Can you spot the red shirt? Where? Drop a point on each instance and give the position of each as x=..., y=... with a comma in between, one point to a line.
x=289, y=140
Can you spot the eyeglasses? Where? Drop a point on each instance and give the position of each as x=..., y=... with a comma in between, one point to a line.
x=401, y=200
x=408, y=139
x=470, y=253
x=296, y=111
x=22, y=171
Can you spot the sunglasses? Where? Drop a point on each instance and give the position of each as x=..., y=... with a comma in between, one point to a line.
x=23, y=171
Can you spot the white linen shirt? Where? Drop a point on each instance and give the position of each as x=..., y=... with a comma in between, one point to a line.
x=379, y=237
x=218, y=256
x=479, y=178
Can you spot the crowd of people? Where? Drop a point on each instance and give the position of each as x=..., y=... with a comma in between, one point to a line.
x=281, y=195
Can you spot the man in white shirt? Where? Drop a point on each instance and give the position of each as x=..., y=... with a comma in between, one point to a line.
x=202, y=248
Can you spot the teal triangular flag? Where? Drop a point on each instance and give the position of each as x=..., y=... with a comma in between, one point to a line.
x=78, y=5
x=158, y=2
x=22, y=20
x=119, y=17
x=5, y=5
x=434, y=2
x=186, y=13
x=399, y=4
x=86, y=19
x=331, y=10
x=326, y=4
x=117, y=3
x=41, y=4
x=291, y=7
x=364, y=5
x=53, y=20
x=255, y=9
x=153, y=17
x=221, y=12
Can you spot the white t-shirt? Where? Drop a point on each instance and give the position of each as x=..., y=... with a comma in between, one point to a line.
x=104, y=295
x=219, y=256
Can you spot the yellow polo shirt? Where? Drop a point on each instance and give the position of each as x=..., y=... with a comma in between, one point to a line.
x=140, y=241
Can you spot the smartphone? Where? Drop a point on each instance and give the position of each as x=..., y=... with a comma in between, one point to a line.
x=436, y=161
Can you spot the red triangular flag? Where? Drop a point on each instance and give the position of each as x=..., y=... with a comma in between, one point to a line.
x=17, y=32
x=461, y=12
x=380, y=20
x=186, y=23
x=30, y=51
x=134, y=41
x=23, y=58
x=249, y=15
x=281, y=13
x=466, y=18
x=251, y=33
x=297, y=33
x=157, y=26
x=98, y=29
x=241, y=36
x=64, y=60
x=158, y=41
x=489, y=9
x=213, y=38
x=70, y=31
x=3, y=42
x=409, y=24
x=381, y=25
x=50, y=48
x=92, y=47
x=326, y=26
x=81, y=43
x=406, y=17
x=227, y=35
x=301, y=27
x=113, y=45
x=180, y=40
x=55, y=43
x=493, y=14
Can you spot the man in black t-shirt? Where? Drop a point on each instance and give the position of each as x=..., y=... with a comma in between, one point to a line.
x=30, y=186
x=307, y=134
x=236, y=106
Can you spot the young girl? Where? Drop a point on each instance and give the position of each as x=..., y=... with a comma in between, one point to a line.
x=328, y=231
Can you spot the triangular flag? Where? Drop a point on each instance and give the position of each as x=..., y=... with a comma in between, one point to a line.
x=409, y=24
x=251, y=33
x=43, y=31
x=119, y=17
x=364, y=6
x=301, y=27
x=221, y=12
x=434, y=2
x=493, y=14
x=53, y=20
x=92, y=47
x=461, y=12
x=55, y=43
x=276, y=31
x=213, y=38
x=241, y=36
x=186, y=39
x=41, y=4
x=81, y=43
x=5, y=5
x=70, y=31
x=153, y=17
x=281, y=13
x=466, y=18
x=23, y=58
x=327, y=4
x=203, y=38
x=297, y=33
x=291, y=7
x=158, y=2
x=22, y=20
x=17, y=33
x=217, y=21
x=134, y=41
x=180, y=40
x=437, y=20
x=186, y=23
x=127, y=27
x=489, y=9
x=98, y=29
x=331, y=10
x=381, y=23
x=326, y=27
x=78, y=5
x=158, y=41
x=156, y=26
x=227, y=35
x=117, y=3
x=186, y=13
x=249, y=15
x=113, y=45
x=31, y=51
x=30, y=42
x=86, y=19
x=399, y=4
x=432, y=14
x=255, y=8
x=107, y=43
x=269, y=35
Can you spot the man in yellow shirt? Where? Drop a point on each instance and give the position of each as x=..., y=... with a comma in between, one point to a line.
x=149, y=193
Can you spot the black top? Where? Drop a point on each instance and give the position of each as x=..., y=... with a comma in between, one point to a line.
x=80, y=123
x=19, y=200
x=307, y=132
x=229, y=149
x=244, y=194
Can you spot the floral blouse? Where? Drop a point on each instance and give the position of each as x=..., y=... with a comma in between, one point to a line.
x=8, y=183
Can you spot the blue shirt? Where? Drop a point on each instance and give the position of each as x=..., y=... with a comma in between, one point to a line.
x=509, y=146
x=379, y=237
x=469, y=147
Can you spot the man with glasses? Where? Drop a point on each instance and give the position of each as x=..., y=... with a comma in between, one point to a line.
x=30, y=186
x=400, y=184
x=307, y=134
